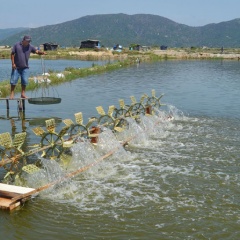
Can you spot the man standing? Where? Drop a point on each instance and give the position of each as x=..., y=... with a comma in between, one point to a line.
x=19, y=57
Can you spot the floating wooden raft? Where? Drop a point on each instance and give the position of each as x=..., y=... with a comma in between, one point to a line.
x=9, y=193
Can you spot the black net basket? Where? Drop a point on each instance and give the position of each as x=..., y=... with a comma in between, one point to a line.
x=44, y=100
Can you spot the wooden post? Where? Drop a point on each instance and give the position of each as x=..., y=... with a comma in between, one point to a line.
x=7, y=102
x=21, y=104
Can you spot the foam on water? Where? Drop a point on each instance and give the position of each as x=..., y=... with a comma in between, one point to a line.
x=178, y=166
x=110, y=177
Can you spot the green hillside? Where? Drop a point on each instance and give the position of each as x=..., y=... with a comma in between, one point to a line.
x=5, y=33
x=144, y=29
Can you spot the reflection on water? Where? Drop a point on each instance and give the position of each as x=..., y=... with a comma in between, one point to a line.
x=178, y=179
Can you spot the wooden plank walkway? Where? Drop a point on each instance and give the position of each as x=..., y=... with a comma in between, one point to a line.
x=20, y=103
x=9, y=194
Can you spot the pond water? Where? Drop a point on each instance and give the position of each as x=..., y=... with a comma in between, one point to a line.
x=38, y=66
x=178, y=179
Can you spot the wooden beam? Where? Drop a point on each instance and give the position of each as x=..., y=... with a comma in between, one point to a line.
x=8, y=194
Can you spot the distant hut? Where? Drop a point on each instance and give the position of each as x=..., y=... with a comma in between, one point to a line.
x=50, y=46
x=90, y=44
x=163, y=47
x=136, y=47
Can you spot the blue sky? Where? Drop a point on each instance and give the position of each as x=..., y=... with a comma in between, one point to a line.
x=32, y=13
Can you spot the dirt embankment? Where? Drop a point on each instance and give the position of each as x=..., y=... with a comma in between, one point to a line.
x=98, y=55
x=181, y=54
x=174, y=54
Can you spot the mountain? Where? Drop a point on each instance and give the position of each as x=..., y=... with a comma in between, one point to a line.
x=5, y=33
x=144, y=29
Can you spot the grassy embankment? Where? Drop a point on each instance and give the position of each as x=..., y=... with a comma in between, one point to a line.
x=123, y=59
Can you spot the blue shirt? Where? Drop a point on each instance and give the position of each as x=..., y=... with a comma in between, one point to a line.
x=22, y=54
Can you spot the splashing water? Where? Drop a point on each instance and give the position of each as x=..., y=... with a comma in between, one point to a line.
x=136, y=133
x=83, y=153
x=174, y=112
x=50, y=172
x=107, y=141
x=122, y=174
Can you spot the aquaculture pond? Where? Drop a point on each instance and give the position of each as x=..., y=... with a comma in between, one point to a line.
x=177, y=179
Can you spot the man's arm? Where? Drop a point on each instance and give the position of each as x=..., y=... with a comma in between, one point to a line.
x=12, y=59
x=40, y=52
